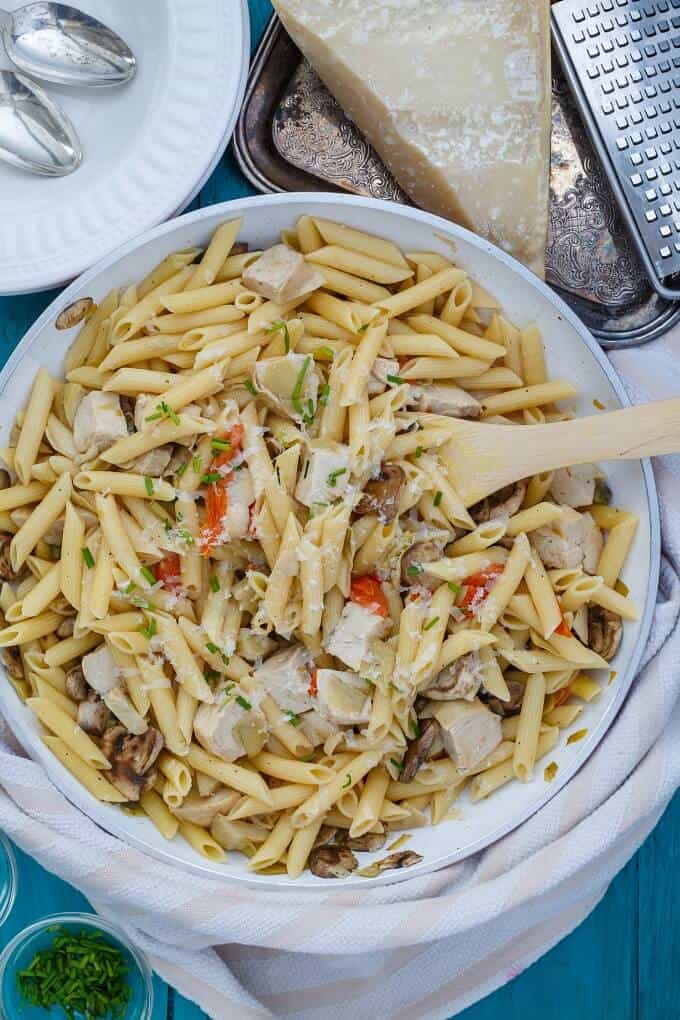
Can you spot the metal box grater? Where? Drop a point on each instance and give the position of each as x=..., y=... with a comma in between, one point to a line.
x=622, y=61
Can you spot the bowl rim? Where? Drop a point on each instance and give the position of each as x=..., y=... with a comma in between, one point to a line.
x=89, y=921
x=7, y=851
x=441, y=227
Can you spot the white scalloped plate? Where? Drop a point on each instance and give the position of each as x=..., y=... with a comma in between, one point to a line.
x=571, y=353
x=149, y=146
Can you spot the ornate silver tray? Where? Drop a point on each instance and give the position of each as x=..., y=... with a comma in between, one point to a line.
x=293, y=136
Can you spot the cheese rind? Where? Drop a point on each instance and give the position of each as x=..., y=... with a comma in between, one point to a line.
x=455, y=96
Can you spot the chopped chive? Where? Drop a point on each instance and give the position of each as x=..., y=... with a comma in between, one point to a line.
x=240, y=700
x=293, y=719
x=419, y=451
x=149, y=629
x=431, y=623
x=88, y=557
x=182, y=468
x=220, y=444
x=327, y=352
x=324, y=394
x=214, y=584
x=348, y=782
x=299, y=383
x=414, y=727
x=415, y=569
x=334, y=475
x=250, y=387
x=148, y=575
x=212, y=647
x=362, y=329
x=211, y=477
x=154, y=417
x=171, y=414
x=210, y=676
x=283, y=326
x=396, y=379
x=130, y=588
x=148, y=485
x=455, y=588
x=399, y=766
x=278, y=474
x=438, y=497
x=306, y=469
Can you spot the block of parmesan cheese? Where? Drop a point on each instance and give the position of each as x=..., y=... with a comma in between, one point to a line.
x=455, y=96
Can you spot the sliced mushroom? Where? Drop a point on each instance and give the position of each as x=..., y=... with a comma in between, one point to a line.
x=75, y=313
x=413, y=570
x=461, y=679
x=76, y=684
x=419, y=749
x=381, y=495
x=603, y=493
x=402, y=859
x=93, y=715
x=605, y=630
x=65, y=628
x=505, y=708
x=132, y=759
x=332, y=862
x=11, y=658
x=6, y=571
x=503, y=503
x=127, y=406
x=324, y=836
x=366, y=844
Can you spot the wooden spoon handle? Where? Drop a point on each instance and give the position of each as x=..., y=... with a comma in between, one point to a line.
x=633, y=432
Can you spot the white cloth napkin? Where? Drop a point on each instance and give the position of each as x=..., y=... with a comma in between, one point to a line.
x=426, y=948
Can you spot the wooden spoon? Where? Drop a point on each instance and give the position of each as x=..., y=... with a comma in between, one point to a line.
x=483, y=458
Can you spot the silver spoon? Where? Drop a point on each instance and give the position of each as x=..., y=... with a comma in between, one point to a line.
x=64, y=45
x=35, y=134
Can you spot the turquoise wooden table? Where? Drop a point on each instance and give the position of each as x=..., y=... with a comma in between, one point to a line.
x=623, y=963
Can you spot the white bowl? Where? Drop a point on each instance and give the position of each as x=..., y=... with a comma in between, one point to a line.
x=571, y=354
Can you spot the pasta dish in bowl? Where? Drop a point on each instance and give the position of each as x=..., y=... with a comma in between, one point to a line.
x=241, y=595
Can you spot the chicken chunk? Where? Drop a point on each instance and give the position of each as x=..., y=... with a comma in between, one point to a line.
x=282, y=275
x=286, y=677
x=461, y=679
x=325, y=473
x=100, y=671
x=289, y=384
x=572, y=541
x=202, y=810
x=441, y=398
x=226, y=729
x=316, y=727
x=102, y=675
x=343, y=698
x=377, y=380
x=350, y=638
x=154, y=462
x=98, y=422
x=574, y=486
x=469, y=731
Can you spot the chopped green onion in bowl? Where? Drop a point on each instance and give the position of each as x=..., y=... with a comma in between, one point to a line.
x=74, y=967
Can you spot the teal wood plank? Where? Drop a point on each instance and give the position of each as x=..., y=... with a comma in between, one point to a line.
x=592, y=973
x=659, y=910
x=183, y=1009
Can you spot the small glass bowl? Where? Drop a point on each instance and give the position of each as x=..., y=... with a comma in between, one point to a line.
x=8, y=878
x=19, y=953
